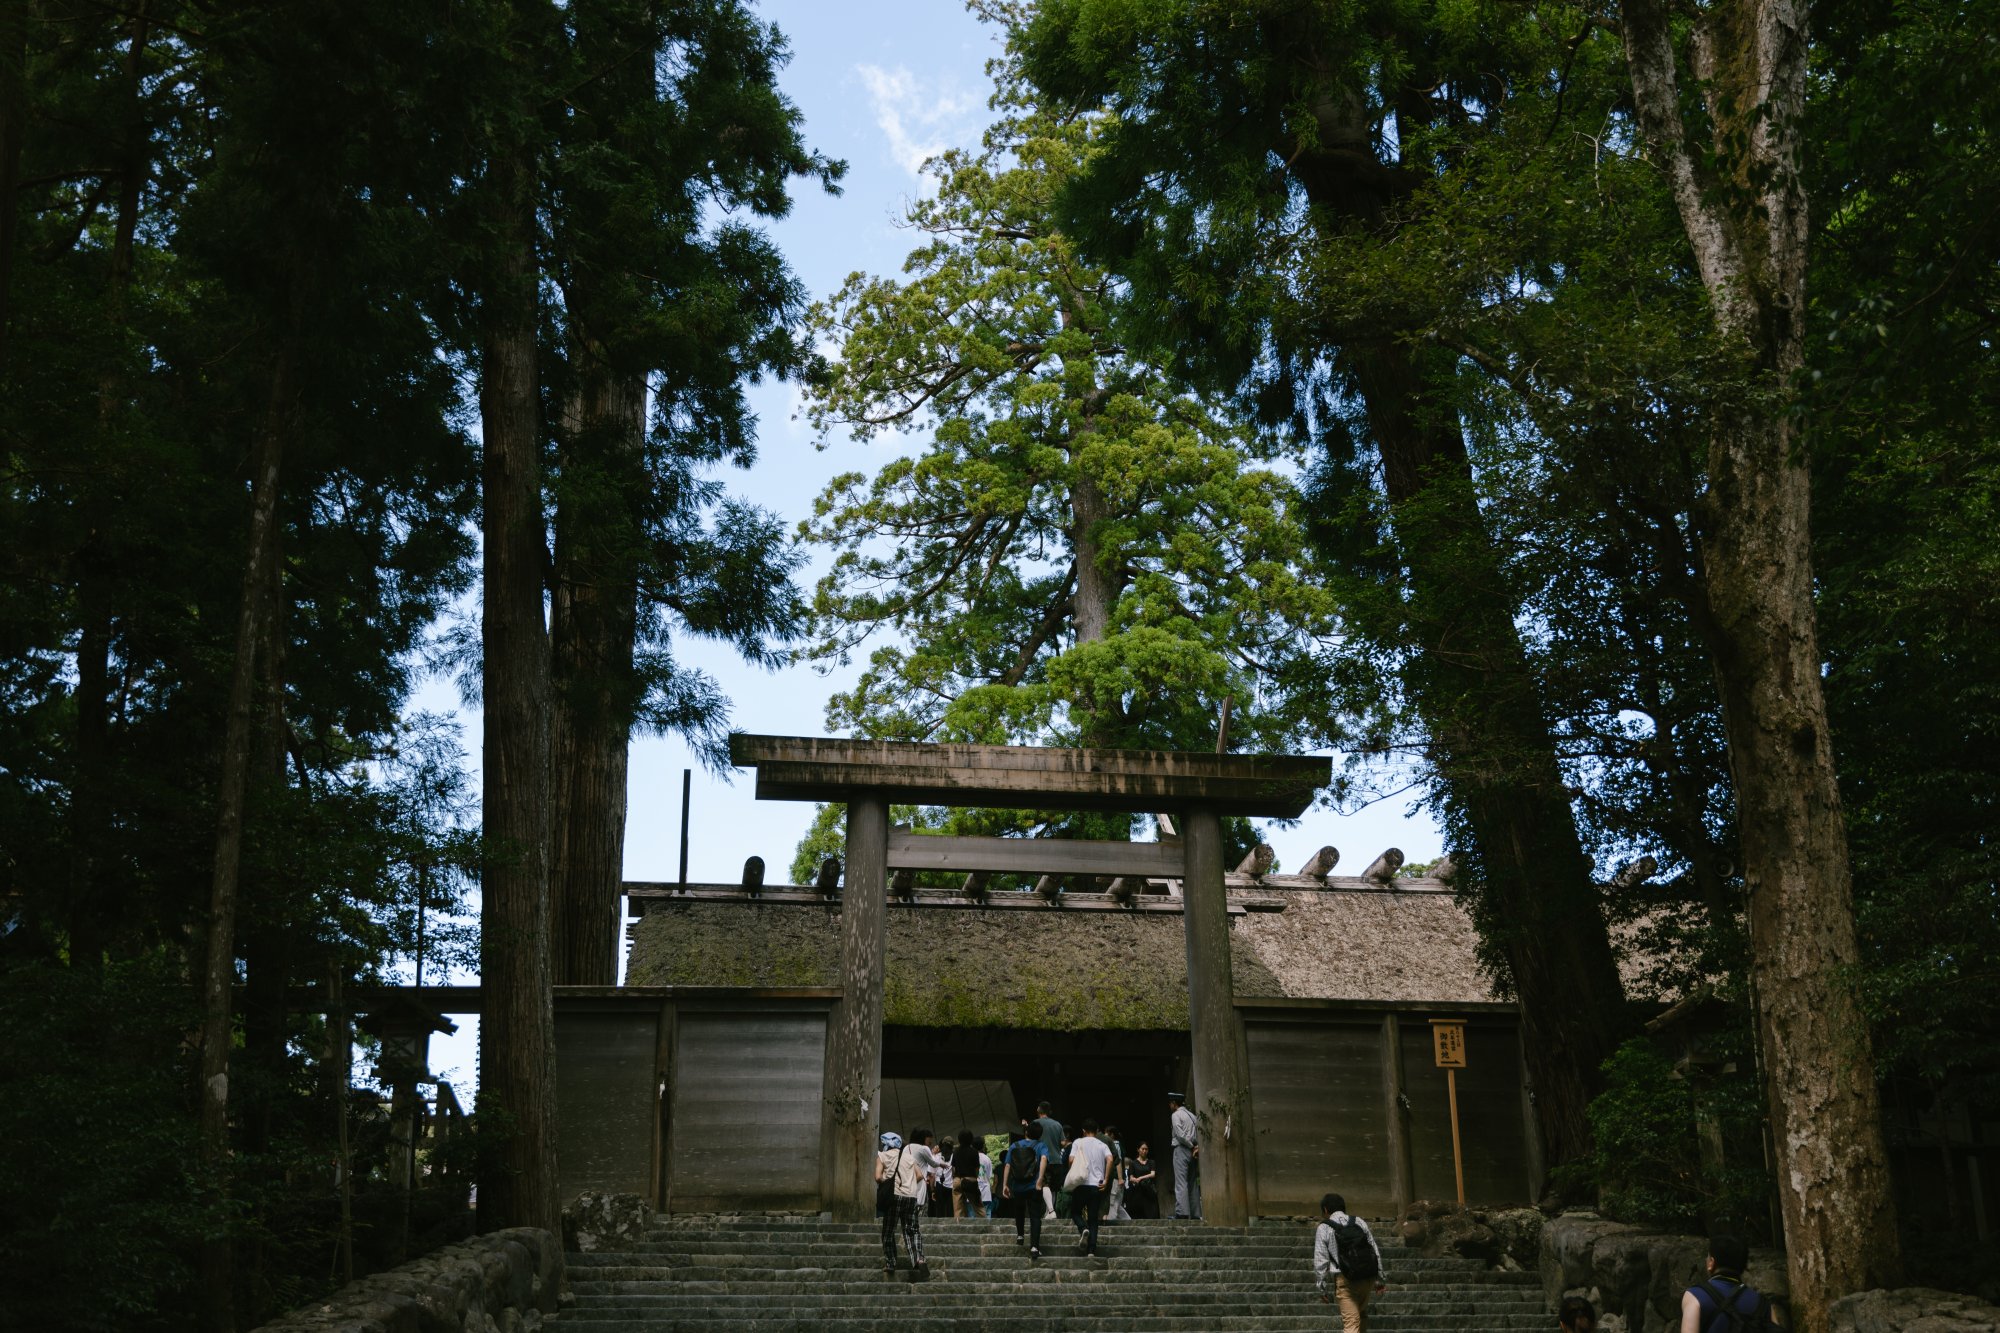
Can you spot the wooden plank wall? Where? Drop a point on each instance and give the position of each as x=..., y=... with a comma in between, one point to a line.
x=1326, y=1085
x=605, y=1099
x=743, y=1129
x=1490, y=1115
x=1322, y=1120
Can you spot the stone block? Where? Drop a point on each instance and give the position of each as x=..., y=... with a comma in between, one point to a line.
x=1913, y=1310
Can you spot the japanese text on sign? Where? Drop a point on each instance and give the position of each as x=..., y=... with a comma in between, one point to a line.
x=1449, y=1041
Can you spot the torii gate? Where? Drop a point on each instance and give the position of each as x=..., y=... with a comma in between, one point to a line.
x=1198, y=789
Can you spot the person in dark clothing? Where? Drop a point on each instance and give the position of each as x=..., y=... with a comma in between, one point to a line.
x=1142, y=1190
x=1577, y=1315
x=1021, y=1187
x=965, y=1177
x=1702, y=1305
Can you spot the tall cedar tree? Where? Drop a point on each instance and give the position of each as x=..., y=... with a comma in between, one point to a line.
x=1079, y=555
x=241, y=495
x=1732, y=156
x=517, y=1177
x=675, y=129
x=1240, y=130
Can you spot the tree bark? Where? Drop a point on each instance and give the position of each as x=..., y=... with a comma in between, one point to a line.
x=595, y=619
x=13, y=137
x=517, y=1185
x=91, y=917
x=1745, y=217
x=1526, y=875
x=256, y=630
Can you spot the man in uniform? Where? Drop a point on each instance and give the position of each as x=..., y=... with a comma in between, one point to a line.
x=1187, y=1158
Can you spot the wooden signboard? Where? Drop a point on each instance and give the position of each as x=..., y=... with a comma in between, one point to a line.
x=1448, y=1043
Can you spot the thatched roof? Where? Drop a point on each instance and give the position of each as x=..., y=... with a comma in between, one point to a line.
x=1067, y=969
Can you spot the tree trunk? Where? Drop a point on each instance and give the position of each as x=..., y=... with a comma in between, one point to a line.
x=1524, y=873
x=91, y=916
x=1743, y=207
x=1525, y=876
x=517, y=1185
x=256, y=629
x=13, y=137
x=595, y=620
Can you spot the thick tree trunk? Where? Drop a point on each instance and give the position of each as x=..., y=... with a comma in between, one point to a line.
x=595, y=619
x=517, y=1185
x=256, y=630
x=91, y=914
x=1526, y=875
x=13, y=137
x=1746, y=221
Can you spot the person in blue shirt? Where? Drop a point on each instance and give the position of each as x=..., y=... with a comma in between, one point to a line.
x=1022, y=1170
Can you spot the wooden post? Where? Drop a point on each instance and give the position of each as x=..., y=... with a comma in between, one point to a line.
x=1220, y=1097
x=854, y=1042
x=1457, y=1156
x=1448, y=1042
x=1401, y=1176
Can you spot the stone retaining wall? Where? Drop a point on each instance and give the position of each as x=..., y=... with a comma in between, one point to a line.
x=501, y=1282
x=1633, y=1275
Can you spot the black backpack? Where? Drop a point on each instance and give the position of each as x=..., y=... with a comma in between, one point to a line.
x=1021, y=1166
x=1728, y=1318
x=1353, y=1253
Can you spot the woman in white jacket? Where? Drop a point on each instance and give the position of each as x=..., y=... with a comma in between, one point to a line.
x=909, y=1169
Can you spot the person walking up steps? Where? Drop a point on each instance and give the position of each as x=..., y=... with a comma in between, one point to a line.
x=1187, y=1159
x=1021, y=1187
x=1723, y=1302
x=1090, y=1169
x=910, y=1169
x=886, y=1158
x=1345, y=1248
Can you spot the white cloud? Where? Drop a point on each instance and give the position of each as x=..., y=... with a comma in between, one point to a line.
x=920, y=118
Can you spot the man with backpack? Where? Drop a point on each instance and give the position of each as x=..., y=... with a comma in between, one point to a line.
x=1021, y=1186
x=1345, y=1247
x=1722, y=1302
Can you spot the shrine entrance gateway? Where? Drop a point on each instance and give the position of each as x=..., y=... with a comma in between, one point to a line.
x=1196, y=789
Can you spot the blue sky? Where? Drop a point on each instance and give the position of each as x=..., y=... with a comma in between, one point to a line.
x=882, y=87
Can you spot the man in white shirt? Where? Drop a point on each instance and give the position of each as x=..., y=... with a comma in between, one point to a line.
x=1187, y=1155
x=1344, y=1249
x=1090, y=1167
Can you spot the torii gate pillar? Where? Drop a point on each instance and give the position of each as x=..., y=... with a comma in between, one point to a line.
x=1220, y=1097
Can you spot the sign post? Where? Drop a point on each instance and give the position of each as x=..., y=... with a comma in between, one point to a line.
x=1448, y=1044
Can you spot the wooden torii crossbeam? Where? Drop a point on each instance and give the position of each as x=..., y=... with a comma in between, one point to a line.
x=1198, y=789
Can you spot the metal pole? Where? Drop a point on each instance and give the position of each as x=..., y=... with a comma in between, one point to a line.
x=687, y=789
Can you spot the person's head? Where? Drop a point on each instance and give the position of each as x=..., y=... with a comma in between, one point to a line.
x=1728, y=1254
x=1145, y=1148
x=1175, y=1100
x=965, y=1139
x=923, y=1136
x=1111, y=1133
x=891, y=1141
x=1577, y=1315
x=1068, y=1136
x=1089, y=1127
x=1329, y=1204
x=1041, y=1108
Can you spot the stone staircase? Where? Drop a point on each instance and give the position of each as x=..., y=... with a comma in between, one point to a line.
x=800, y=1275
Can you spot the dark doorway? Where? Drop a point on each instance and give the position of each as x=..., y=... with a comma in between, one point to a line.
x=1116, y=1078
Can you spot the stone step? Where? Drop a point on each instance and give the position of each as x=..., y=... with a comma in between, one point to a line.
x=789, y=1274
x=917, y=1317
